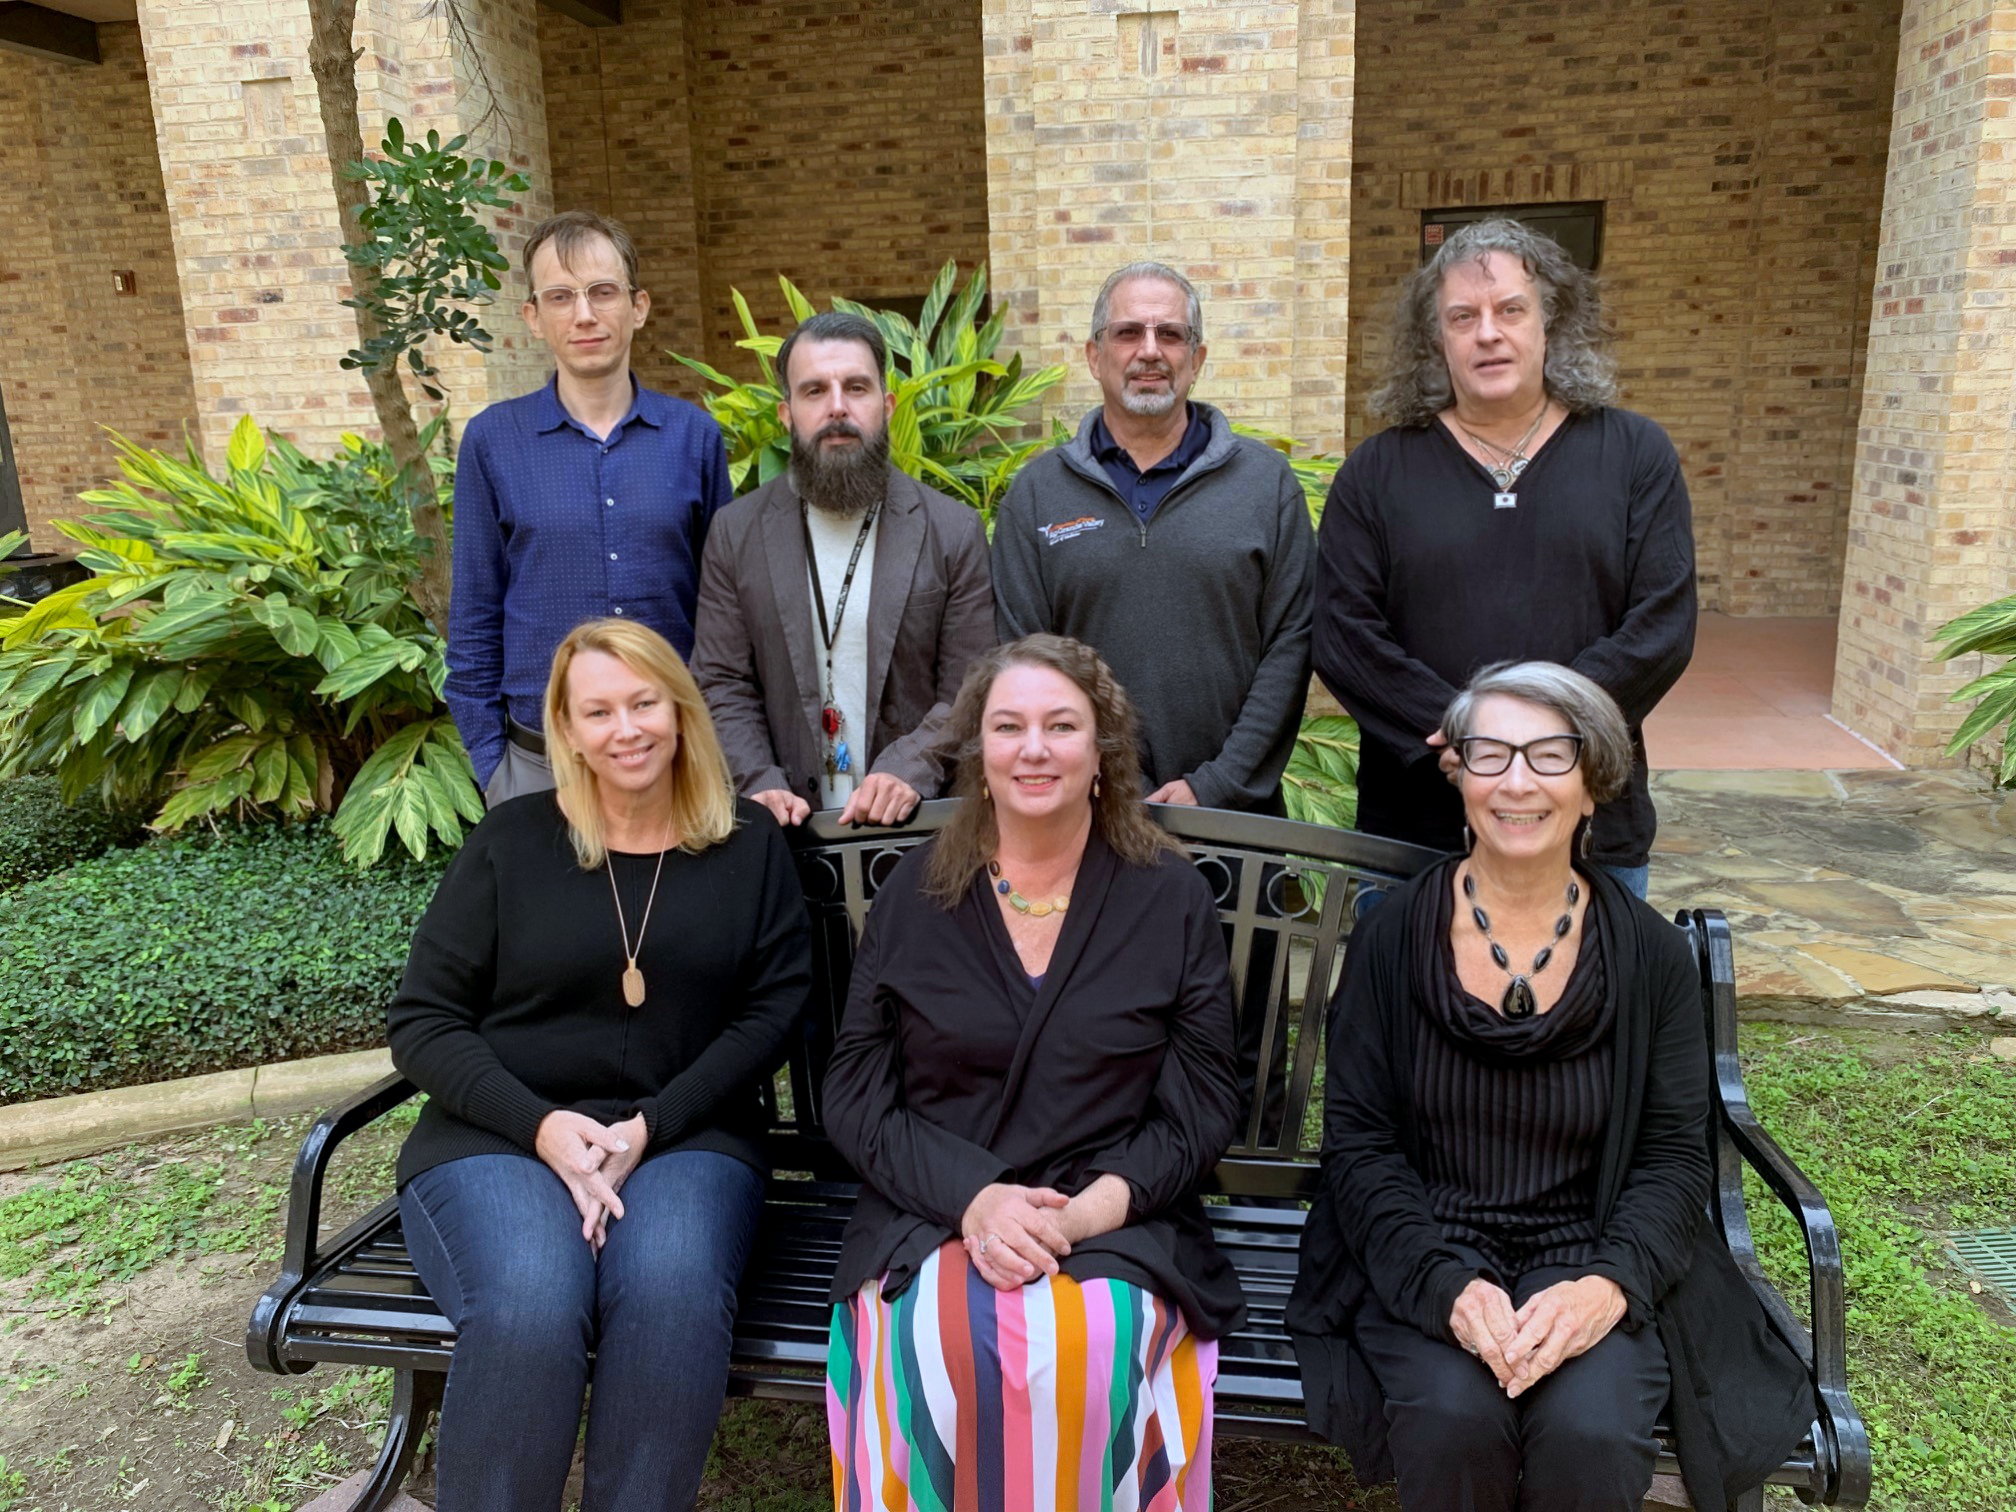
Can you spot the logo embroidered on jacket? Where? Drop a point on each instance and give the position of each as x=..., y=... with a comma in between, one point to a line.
x=1064, y=530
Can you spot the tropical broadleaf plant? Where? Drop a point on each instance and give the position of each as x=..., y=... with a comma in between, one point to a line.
x=959, y=409
x=1321, y=783
x=245, y=647
x=1987, y=631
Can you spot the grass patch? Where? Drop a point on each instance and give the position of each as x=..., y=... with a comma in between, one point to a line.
x=1904, y=1150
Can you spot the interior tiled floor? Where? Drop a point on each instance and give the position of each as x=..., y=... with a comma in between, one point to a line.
x=1756, y=698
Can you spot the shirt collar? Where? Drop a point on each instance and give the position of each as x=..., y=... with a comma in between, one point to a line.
x=1196, y=436
x=645, y=405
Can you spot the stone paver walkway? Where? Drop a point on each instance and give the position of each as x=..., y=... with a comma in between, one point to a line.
x=1884, y=897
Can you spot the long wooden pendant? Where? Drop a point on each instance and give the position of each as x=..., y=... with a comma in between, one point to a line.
x=633, y=986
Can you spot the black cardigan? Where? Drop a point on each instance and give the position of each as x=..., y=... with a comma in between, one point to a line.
x=1741, y=1399
x=946, y=1076
x=512, y=1003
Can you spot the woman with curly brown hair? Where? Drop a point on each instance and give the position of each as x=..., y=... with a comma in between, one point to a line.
x=1034, y=1072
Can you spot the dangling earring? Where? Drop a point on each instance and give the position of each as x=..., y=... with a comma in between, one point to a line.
x=985, y=795
x=1095, y=784
x=1588, y=827
x=1469, y=840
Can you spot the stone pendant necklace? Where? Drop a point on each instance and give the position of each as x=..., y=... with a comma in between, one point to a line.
x=633, y=979
x=1021, y=904
x=1519, y=1001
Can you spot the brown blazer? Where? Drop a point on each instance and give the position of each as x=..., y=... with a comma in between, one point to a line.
x=930, y=612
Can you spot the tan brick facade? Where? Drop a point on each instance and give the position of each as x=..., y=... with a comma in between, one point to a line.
x=1214, y=138
x=80, y=199
x=1738, y=149
x=838, y=144
x=254, y=212
x=1933, y=531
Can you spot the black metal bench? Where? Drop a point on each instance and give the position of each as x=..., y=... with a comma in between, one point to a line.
x=1287, y=894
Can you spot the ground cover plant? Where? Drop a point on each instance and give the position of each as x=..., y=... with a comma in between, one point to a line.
x=1907, y=1144
x=40, y=833
x=200, y=953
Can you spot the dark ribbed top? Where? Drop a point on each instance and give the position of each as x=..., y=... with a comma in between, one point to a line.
x=1512, y=1114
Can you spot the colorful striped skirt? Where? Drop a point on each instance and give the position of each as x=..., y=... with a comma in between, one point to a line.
x=1064, y=1396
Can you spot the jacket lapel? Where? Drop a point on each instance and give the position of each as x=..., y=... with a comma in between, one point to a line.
x=784, y=550
x=1096, y=874
x=899, y=541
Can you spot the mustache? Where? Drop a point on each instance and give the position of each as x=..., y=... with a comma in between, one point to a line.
x=1142, y=369
x=838, y=428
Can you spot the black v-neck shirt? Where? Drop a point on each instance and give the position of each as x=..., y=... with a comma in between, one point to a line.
x=1421, y=581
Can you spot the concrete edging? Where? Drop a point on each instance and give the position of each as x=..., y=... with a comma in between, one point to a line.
x=64, y=1128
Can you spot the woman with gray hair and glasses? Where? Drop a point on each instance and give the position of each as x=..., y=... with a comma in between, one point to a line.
x=1507, y=1275
x=1511, y=511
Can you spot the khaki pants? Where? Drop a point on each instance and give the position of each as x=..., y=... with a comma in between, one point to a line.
x=519, y=773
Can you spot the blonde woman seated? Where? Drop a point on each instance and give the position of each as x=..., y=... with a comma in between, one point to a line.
x=602, y=982
x=1034, y=1072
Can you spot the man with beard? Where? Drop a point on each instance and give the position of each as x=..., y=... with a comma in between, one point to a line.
x=588, y=497
x=1181, y=551
x=840, y=603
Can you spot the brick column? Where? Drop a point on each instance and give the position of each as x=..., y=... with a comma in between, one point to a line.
x=1215, y=138
x=257, y=239
x=1932, y=530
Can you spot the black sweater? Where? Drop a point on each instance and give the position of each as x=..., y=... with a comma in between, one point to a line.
x=512, y=1003
x=1740, y=1400
x=1420, y=582
x=949, y=1074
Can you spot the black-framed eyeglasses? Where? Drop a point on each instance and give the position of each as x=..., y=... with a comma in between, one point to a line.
x=1549, y=756
x=1130, y=333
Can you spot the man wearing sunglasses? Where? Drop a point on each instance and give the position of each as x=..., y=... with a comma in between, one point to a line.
x=1180, y=551
x=588, y=497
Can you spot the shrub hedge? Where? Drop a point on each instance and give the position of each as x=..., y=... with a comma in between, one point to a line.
x=198, y=954
x=39, y=834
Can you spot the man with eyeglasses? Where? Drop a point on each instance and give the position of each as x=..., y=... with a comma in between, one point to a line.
x=588, y=497
x=1181, y=551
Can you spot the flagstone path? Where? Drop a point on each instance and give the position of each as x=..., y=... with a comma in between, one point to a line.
x=1879, y=897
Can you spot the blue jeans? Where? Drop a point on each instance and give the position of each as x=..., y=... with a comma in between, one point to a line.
x=1635, y=878
x=498, y=1242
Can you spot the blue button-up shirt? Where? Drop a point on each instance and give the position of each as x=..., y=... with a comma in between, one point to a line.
x=555, y=525
x=1145, y=491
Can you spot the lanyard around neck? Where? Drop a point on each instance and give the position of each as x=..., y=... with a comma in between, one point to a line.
x=830, y=636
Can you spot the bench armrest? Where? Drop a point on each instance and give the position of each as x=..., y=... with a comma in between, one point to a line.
x=304, y=1211
x=1740, y=1139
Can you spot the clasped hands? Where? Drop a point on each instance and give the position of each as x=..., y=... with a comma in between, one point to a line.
x=1013, y=1233
x=1524, y=1345
x=594, y=1160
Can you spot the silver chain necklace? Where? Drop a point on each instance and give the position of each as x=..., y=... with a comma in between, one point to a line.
x=1513, y=462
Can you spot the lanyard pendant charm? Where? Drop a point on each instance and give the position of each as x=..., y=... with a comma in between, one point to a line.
x=843, y=759
x=829, y=721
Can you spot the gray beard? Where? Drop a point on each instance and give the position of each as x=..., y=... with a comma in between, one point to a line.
x=1137, y=402
x=844, y=483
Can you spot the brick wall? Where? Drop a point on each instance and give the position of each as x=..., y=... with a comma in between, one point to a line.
x=253, y=208
x=1217, y=139
x=1739, y=149
x=1933, y=529
x=80, y=197
x=840, y=145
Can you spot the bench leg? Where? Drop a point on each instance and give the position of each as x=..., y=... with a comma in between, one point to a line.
x=415, y=1393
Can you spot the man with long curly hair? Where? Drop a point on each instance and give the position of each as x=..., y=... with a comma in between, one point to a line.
x=1511, y=513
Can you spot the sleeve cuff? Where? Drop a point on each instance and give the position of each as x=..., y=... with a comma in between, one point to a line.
x=670, y=1115
x=505, y=1104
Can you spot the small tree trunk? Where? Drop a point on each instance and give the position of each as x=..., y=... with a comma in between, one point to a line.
x=333, y=60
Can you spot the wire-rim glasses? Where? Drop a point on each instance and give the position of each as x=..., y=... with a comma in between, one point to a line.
x=1549, y=756
x=602, y=295
x=1129, y=333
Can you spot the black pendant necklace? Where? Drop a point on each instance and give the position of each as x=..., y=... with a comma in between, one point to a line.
x=1519, y=1001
